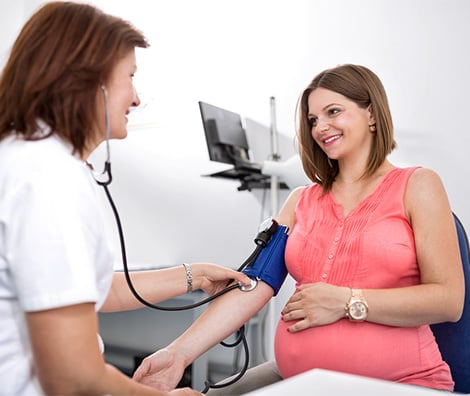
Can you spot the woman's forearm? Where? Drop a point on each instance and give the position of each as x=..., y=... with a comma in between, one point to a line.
x=224, y=316
x=164, y=368
x=415, y=305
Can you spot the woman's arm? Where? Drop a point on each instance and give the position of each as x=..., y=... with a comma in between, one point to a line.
x=162, y=284
x=226, y=314
x=439, y=297
x=67, y=356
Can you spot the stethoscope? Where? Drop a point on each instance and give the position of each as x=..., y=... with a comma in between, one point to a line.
x=104, y=179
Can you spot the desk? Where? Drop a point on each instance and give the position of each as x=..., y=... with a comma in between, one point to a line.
x=328, y=383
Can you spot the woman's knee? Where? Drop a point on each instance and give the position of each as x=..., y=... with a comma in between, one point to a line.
x=256, y=377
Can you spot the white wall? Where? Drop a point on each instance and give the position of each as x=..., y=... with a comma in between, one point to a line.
x=236, y=54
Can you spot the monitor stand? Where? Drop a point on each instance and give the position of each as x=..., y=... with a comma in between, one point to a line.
x=249, y=176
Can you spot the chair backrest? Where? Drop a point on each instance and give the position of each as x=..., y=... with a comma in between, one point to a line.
x=454, y=338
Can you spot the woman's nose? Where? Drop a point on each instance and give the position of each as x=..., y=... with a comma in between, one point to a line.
x=322, y=126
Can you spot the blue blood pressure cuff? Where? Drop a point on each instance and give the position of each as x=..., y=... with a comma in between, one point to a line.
x=269, y=266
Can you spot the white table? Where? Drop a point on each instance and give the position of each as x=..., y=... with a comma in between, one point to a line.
x=319, y=382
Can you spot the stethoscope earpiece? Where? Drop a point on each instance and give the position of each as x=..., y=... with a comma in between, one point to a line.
x=105, y=178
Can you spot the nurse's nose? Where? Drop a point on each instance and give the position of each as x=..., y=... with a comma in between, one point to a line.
x=136, y=100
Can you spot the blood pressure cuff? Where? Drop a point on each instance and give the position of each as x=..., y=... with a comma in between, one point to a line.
x=270, y=266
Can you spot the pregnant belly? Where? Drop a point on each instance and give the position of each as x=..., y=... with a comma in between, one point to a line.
x=365, y=348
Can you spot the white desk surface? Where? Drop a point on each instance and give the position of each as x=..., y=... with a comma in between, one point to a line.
x=319, y=382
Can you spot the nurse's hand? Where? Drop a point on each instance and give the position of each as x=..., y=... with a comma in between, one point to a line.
x=213, y=278
x=161, y=371
x=315, y=304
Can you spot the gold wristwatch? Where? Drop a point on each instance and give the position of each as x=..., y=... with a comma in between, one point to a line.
x=356, y=308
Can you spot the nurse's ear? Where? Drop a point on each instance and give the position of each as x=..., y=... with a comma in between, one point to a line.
x=372, y=124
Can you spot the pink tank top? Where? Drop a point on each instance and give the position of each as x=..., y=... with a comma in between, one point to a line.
x=373, y=247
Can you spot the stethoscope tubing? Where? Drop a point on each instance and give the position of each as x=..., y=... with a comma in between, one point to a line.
x=250, y=260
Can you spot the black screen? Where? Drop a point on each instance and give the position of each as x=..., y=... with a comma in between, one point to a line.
x=225, y=135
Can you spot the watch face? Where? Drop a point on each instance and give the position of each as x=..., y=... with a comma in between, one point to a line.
x=358, y=310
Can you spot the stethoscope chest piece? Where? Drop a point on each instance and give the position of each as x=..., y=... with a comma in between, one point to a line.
x=250, y=287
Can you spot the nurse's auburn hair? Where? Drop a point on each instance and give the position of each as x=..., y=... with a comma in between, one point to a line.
x=62, y=55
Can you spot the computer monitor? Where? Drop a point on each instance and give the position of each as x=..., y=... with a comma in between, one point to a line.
x=225, y=135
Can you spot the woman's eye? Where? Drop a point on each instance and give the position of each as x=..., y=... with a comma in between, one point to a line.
x=312, y=121
x=333, y=111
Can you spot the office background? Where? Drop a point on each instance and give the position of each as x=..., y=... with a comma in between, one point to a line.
x=236, y=54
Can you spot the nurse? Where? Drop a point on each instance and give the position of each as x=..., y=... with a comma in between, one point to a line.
x=70, y=68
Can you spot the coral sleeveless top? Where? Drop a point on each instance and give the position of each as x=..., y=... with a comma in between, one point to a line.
x=373, y=247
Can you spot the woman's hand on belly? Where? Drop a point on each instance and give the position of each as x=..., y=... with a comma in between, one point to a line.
x=315, y=304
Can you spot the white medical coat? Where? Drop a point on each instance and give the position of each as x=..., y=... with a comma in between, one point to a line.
x=53, y=246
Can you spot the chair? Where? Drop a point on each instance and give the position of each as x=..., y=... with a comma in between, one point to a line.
x=454, y=338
